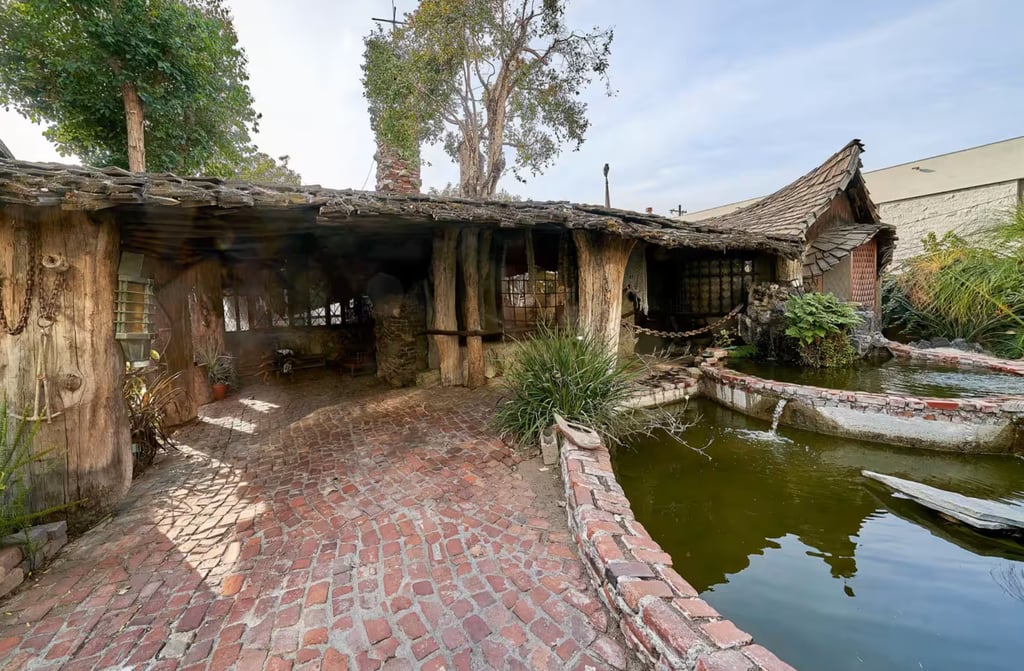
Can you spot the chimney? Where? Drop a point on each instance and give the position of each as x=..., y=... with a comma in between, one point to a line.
x=395, y=174
x=649, y=210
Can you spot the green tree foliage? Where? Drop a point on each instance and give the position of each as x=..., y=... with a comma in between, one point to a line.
x=820, y=324
x=261, y=168
x=79, y=65
x=483, y=76
x=965, y=289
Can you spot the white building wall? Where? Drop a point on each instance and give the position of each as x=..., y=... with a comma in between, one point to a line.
x=965, y=211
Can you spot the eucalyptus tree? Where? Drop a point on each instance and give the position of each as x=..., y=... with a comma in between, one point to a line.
x=488, y=78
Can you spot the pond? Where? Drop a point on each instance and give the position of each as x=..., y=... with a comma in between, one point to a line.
x=823, y=566
x=895, y=376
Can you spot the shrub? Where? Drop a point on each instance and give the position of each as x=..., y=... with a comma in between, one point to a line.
x=820, y=324
x=569, y=372
x=964, y=289
x=148, y=398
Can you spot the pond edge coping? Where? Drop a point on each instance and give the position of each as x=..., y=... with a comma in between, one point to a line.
x=662, y=617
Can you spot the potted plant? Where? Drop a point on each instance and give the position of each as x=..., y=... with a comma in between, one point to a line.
x=220, y=369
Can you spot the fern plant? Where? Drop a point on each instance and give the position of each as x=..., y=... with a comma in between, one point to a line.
x=820, y=324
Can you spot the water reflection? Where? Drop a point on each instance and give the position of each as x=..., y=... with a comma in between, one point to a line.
x=791, y=542
x=896, y=376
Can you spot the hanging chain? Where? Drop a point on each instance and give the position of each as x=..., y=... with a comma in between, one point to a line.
x=30, y=283
x=686, y=334
x=48, y=306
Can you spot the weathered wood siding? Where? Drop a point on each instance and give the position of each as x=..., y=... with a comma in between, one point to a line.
x=85, y=364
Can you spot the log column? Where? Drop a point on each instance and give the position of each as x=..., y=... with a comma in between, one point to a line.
x=443, y=269
x=471, y=310
x=602, y=263
x=84, y=363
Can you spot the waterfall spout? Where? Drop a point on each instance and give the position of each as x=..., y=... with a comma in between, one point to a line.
x=777, y=415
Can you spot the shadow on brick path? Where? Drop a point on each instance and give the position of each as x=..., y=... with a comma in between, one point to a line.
x=327, y=524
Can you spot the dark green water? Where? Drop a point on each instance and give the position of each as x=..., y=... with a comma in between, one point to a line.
x=895, y=376
x=824, y=567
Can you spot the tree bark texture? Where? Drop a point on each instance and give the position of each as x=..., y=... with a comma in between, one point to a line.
x=489, y=271
x=602, y=267
x=471, y=307
x=134, y=118
x=82, y=362
x=180, y=292
x=444, y=263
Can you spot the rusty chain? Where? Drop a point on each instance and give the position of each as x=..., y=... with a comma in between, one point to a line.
x=48, y=307
x=686, y=334
x=30, y=283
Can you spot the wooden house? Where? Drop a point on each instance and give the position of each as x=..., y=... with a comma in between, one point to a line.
x=102, y=266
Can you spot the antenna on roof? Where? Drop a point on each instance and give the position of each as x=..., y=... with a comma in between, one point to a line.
x=679, y=211
x=607, y=194
x=393, y=20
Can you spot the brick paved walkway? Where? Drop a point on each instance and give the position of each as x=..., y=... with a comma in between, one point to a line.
x=307, y=528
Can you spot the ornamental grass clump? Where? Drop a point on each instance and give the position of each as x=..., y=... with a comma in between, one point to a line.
x=820, y=324
x=569, y=372
x=970, y=289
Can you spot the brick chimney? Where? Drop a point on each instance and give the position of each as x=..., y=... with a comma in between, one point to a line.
x=395, y=174
x=649, y=210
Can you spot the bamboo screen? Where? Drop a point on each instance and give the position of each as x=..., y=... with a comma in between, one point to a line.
x=864, y=275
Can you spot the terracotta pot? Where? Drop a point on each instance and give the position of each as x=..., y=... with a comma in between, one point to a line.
x=220, y=390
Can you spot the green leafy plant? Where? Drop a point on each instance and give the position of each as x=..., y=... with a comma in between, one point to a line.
x=569, y=372
x=16, y=458
x=820, y=325
x=722, y=338
x=148, y=398
x=970, y=289
x=220, y=367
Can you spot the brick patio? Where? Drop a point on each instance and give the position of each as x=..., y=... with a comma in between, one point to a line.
x=322, y=525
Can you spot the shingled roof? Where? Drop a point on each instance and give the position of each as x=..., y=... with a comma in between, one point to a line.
x=794, y=208
x=196, y=208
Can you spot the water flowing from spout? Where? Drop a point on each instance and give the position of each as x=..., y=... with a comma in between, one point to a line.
x=777, y=415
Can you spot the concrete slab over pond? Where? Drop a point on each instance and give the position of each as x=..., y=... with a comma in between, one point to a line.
x=322, y=526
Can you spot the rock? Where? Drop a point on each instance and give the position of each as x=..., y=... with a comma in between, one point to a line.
x=940, y=342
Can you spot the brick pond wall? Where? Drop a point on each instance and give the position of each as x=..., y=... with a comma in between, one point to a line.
x=962, y=425
x=660, y=614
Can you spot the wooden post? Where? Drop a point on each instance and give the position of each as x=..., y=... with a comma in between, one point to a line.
x=84, y=363
x=602, y=267
x=488, y=282
x=471, y=307
x=443, y=269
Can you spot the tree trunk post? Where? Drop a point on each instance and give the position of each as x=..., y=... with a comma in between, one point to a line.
x=443, y=268
x=471, y=307
x=134, y=116
x=602, y=267
x=83, y=363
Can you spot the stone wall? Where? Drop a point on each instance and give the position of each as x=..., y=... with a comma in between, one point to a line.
x=763, y=323
x=964, y=211
x=27, y=551
x=396, y=174
x=660, y=614
x=957, y=425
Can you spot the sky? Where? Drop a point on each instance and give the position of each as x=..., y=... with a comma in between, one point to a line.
x=714, y=101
